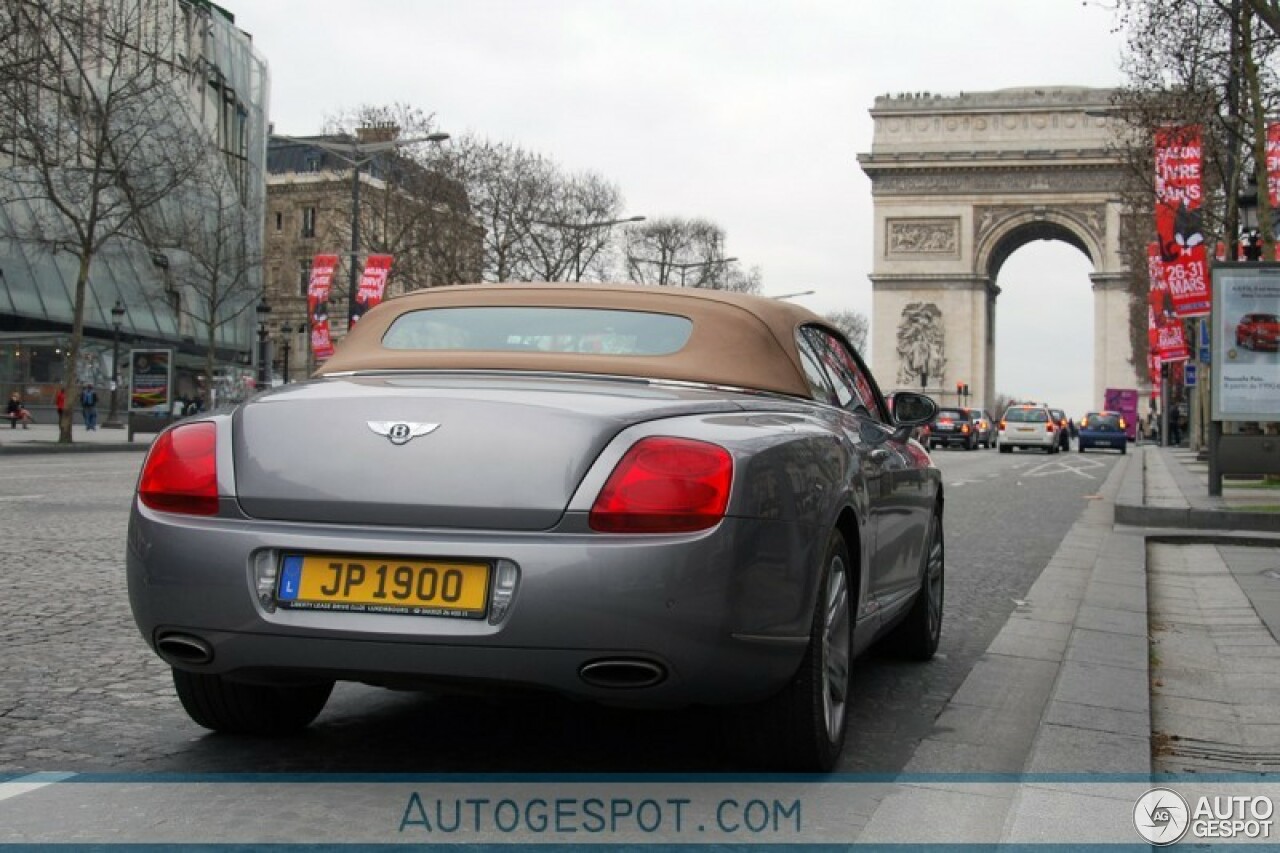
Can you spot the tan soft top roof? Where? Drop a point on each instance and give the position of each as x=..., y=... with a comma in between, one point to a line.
x=736, y=340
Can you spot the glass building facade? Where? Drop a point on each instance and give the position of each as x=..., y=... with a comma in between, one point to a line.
x=223, y=88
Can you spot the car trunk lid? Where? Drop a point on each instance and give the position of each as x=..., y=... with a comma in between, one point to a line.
x=490, y=452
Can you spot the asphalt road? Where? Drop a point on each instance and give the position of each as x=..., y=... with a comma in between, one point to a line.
x=80, y=691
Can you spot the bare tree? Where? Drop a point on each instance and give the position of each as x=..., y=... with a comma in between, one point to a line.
x=1190, y=62
x=854, y=324
x=416, y=212
x=681, y=252
x=508, y=188
x=210, y=263
x=572, y=233
x=94, y=124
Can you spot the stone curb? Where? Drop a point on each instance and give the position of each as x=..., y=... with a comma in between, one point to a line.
x=1129, y=509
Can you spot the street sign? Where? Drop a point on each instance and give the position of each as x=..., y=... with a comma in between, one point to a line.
x=1189, y=375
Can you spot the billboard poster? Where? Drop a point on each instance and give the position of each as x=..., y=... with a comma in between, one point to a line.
x=1179, y=190
x=372, y=284
x=150, y=380
x=318, y=289
x=1246, y=342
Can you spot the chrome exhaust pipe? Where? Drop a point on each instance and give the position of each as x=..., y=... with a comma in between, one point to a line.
x=622, y=673
x=184, y=649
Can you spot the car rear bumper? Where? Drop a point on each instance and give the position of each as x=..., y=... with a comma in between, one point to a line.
x=722, y=616
x=1117, y=440
x=1013, y=439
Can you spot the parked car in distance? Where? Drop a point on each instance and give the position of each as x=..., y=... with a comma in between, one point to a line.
x=984, y=427
x=953, y=426
x=1259, y=331
x=651, y=496
x=1028, y=425
x=1064, y=428
x=1103, y=429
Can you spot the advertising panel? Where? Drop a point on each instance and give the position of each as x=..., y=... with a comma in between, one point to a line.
x=372, y=284
x=1124, y=401
x=1179, y=190
x=150, y=380
x=322, y=267
x=1246, y=342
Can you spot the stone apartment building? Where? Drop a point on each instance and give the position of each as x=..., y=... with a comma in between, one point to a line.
x=421, y=218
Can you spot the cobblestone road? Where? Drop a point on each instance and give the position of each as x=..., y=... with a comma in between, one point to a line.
x=80, y=691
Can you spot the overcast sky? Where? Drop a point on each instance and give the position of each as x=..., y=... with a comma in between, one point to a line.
x=749, y=113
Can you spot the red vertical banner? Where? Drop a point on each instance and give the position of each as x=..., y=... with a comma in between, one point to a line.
x=372, y=284
x=1273, y=165
x=1165, y=337
x=318, y=288
x=1179, y=190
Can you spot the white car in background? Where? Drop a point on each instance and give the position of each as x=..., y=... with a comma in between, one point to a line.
x=1028, y=425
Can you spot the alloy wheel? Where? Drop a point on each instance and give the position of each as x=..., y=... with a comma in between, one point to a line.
x=936, y=570
x=836, y=630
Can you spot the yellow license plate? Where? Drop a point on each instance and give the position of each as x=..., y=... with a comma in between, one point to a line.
x=361, y=584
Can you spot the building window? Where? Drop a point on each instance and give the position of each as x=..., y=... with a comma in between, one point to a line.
x=304, y=276
x=308, y=222
x=279, y=220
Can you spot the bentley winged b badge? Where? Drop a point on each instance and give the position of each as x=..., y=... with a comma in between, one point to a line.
x=400, y=432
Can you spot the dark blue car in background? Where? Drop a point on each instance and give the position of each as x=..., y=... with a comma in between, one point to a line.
x=1102, y=429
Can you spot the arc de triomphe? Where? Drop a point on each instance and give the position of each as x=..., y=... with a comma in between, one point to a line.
x=959, y=182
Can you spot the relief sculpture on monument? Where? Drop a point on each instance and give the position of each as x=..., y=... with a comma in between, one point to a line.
x=921, y=344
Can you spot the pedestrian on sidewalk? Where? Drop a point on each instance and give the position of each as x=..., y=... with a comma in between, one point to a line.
x=17, y=412
x=89, y=403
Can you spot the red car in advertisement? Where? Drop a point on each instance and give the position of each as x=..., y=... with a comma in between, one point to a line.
x=1259, y=332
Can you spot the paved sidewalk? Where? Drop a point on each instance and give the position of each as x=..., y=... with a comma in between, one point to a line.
x=1091, y=676
x=43, y=438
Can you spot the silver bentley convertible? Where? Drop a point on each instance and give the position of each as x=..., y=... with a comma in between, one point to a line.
x=640, y=495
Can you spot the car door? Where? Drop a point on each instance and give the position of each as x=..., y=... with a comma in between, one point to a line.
x=888, y=471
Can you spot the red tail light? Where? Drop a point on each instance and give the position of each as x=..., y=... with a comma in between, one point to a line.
x=1002, y=424
x=665, y=485
x=1049, y=426
x=180, y=474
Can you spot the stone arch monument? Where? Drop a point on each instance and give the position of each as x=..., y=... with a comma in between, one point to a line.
x=958, y=183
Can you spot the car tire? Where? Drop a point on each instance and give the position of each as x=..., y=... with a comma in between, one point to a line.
x=253, y=709
x=1053, y=449
x=1006, y=448
x=802, y=728
x=1123, y=450
x=917, y=636
x=1080, y=448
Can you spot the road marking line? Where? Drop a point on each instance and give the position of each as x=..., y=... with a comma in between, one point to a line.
x=31, y=782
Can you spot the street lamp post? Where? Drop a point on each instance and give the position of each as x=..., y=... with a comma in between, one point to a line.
x=264, y=360
x=117, y=319
x=581, y=228
x=686, y=267
x=286, y=334
x=357, y=154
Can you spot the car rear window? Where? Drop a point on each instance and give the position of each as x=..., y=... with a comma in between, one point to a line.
x=544, y=329
x=1027, y=416
x=1104, y=421
x=953, y=414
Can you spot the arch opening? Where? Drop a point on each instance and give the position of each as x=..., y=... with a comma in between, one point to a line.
x=1044, y=348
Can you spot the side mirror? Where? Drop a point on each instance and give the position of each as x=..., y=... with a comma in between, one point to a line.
x=911, y=410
